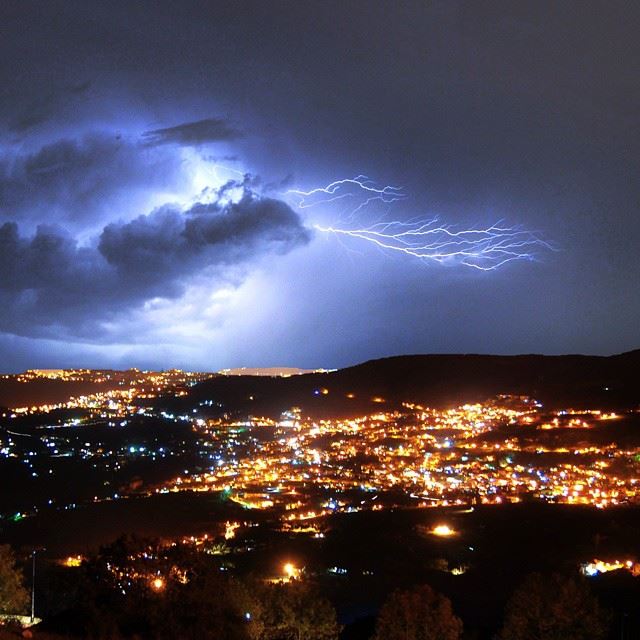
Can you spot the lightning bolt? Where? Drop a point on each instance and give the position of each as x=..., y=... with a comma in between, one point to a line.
x=349, y=188
x=484, y=248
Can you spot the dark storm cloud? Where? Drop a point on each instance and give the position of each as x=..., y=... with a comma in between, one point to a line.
x=42, y=108
x=73, y=179
x=194, y=133
x=527, y=111
x=50, y=285
x=168, y=243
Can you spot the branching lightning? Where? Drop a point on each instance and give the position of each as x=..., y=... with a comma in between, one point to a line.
x=484, y=248
x=354, y=188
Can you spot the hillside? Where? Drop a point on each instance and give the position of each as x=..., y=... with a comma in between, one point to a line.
x=437, y=380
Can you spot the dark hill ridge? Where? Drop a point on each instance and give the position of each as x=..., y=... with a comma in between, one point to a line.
x=436, y=380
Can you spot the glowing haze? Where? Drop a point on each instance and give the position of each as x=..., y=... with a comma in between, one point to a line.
x=229, y=186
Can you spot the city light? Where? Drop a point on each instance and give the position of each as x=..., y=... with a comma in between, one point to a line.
x=437, y=457
x=157, y=584
x=484, y=453
x=443, y=530
x=230, y=530
x=73, y=561
x=290, y=571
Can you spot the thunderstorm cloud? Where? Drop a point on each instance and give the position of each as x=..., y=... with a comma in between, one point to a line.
x=194, y=133
x=51, y=284
x=77, y=179
x=39, y=109
x=480, y=112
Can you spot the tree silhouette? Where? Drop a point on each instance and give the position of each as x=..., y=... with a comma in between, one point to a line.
x=13, y=595
x=417, y=614
x=295, y=612
x=195, y=601
x=554, y=608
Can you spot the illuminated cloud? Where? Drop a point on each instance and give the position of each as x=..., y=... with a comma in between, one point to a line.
x=83, y=179
x=461, y=115
x=51, y=285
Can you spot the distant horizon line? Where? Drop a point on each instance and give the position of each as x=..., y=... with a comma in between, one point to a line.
x=292, y=370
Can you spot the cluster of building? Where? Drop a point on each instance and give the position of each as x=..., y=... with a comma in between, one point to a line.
x=505, y=450
x=103, y=389
x=597, y=567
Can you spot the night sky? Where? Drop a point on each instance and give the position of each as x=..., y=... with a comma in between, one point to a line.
x=149, y=150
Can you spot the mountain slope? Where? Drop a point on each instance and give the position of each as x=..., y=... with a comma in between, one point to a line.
x=437, y=380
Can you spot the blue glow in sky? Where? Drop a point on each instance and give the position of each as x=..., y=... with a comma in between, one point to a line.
x=234, y=185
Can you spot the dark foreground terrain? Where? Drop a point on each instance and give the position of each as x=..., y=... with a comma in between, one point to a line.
x=362, y=557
